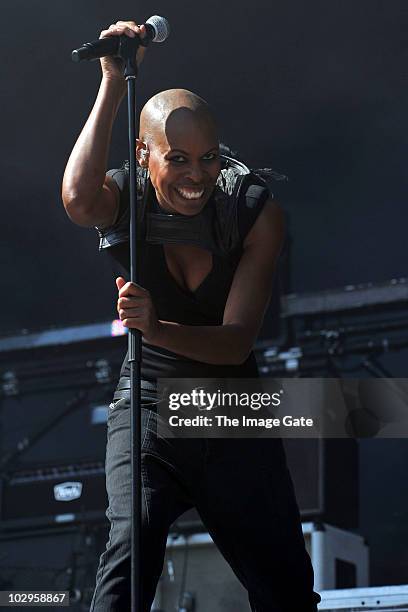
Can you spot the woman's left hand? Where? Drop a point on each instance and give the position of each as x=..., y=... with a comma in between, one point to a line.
x=136, y=309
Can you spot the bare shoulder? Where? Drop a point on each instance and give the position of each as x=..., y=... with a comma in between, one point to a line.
x=99, y=212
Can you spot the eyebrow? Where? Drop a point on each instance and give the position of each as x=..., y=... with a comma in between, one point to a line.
x=186, y=153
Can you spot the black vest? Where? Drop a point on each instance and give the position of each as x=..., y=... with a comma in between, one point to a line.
x=216, y=227
x=220, y=227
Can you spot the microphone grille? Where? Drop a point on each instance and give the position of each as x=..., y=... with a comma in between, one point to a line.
x=161, y=27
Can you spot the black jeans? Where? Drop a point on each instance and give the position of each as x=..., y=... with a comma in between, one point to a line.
x=244, y=494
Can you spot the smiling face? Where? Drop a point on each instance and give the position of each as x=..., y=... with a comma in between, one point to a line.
x=182, y=153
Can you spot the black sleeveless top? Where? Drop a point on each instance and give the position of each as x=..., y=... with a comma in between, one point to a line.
x=203, y=306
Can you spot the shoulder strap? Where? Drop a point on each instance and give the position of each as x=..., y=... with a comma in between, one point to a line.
x=221, y=226
x=252, y=199
x=118, y=233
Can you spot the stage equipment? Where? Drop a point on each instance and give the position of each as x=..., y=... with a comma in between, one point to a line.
x=55, y=391
x=60, y=559
x=52, y=496
x=386, y=598
x=349, y=297
x=76, y=361
x=57, y=385
x=194, y=566
x=358, y=331
x=339, y=332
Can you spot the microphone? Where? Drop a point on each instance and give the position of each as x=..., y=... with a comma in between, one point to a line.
x=157, y=30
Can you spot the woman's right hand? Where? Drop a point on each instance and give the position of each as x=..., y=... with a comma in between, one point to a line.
x=112, y=67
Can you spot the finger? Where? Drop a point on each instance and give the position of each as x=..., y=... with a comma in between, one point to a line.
x=126, y=22
x=118, y=30
x=130, y=289
x=138, y=29
x=106, y=33
x=130, y=24
x=120, y=282
x=134, y=324
x=131, y=313
x=135, y=321
x=128, y=301
x=131, y=302
x=143, y=31
x=124, y=28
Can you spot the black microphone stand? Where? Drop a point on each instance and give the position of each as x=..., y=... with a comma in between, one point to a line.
x=127, y=51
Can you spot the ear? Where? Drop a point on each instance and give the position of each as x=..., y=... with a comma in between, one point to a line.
x=142, y=153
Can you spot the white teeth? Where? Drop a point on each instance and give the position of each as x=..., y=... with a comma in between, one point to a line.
x=190, y=195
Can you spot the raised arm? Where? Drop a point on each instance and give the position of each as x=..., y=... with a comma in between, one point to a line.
x=89, y=196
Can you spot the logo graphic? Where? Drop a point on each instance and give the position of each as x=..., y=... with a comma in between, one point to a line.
x=67, y=491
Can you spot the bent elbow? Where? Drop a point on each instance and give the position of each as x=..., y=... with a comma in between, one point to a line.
x=78, y=212
x=240, y=343
x=241, y=355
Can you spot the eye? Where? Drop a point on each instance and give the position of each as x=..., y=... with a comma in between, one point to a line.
x=178, y=159
x=210, y=157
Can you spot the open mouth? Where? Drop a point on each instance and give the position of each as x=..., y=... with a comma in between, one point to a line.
x=190, y=193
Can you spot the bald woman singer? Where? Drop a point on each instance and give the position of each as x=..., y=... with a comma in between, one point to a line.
x=199, y=307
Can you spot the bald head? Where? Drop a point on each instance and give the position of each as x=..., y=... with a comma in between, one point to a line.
x=179, y=145
x=173, y=112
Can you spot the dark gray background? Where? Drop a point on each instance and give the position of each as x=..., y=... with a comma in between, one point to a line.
x=316, y=90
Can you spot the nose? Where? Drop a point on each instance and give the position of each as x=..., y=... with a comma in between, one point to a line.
x=195, y=173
